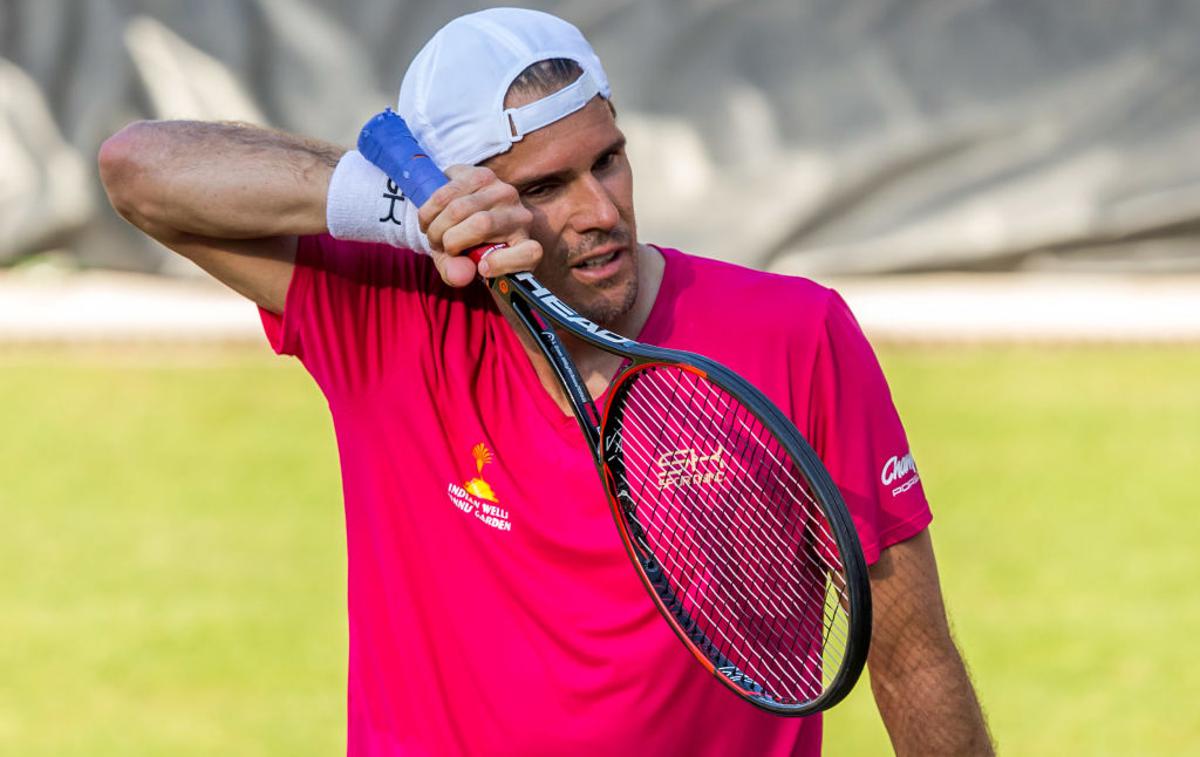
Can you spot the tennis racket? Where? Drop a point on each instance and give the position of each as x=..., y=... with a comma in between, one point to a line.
x=733, y=524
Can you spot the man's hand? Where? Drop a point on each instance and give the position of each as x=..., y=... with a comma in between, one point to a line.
x=920, y=683
x=478, y=208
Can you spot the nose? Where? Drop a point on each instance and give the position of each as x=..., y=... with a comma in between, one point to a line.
x=594, y=206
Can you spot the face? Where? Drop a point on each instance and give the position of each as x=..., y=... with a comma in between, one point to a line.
x=574, y=177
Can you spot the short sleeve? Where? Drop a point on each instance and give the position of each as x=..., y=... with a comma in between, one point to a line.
x=856, y=430
x=351, y=309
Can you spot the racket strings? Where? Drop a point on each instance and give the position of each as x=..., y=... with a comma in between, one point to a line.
x=744, y=546
x=753, y=532
x=741, y=414
x=777, y=614
x=737, y=649
x=832, y=565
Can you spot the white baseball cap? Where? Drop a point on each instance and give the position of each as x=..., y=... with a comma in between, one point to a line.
x=452, y=96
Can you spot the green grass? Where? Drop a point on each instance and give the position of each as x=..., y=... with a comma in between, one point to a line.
x=172, y=563
x=171, y=558
x=1064, y=487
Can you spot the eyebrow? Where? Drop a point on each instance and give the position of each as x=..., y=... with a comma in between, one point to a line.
x=616, y=145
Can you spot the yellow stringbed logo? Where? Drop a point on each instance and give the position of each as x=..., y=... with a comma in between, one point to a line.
x=687, y=467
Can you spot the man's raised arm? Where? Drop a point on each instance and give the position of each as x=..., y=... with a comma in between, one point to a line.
x=230, y=197
x=233, y=198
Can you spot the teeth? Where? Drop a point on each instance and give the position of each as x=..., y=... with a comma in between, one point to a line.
x=597, y=262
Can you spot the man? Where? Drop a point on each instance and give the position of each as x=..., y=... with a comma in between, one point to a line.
x=492, y=608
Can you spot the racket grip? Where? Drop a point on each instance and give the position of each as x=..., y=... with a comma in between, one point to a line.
x=479, y=253
x=387, y=142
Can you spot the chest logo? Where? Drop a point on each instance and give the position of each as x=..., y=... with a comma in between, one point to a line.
x=477, y=498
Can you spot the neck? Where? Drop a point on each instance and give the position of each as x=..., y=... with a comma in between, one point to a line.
x=596, y=367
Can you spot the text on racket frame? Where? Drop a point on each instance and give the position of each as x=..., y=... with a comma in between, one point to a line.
x=547, y=298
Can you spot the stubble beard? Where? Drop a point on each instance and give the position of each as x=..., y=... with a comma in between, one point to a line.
x=606, y=312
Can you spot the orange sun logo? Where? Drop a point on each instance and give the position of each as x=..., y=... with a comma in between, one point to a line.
x=478, y=486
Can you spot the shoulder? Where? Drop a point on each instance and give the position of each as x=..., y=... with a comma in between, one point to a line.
x=357, y=311
x=732, y=291
x=363, y=290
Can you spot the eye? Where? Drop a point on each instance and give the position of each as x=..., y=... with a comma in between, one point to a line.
x=606, y=161
x=540, y=191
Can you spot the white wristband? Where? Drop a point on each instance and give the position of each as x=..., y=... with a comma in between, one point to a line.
x=364, y=205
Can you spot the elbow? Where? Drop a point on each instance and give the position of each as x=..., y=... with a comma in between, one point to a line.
x=124, y=171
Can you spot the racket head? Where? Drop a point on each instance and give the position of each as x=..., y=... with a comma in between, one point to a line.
x=738, y=533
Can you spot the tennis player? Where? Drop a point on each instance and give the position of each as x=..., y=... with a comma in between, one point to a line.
x=492, y=608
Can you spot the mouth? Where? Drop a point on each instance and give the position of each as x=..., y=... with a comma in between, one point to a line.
x=599, y=264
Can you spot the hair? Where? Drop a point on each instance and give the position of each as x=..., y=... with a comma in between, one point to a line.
x=545, y=77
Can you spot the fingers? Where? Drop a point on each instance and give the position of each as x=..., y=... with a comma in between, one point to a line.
x=464, y=181
x=522, y=256
x=459, y=270
x=505, y=224
x=475, y=208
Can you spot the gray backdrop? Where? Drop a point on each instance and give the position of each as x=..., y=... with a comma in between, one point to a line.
x=819, y=136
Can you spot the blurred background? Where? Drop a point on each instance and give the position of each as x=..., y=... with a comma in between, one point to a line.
x=1007, y=193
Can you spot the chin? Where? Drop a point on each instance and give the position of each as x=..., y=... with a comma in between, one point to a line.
x=608, y=305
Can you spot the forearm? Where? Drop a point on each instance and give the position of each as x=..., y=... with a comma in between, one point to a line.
x=217, y=180
x=931, y=709
x=917, y=674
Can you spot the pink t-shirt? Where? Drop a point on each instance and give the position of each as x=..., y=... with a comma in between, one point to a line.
x=492, y=606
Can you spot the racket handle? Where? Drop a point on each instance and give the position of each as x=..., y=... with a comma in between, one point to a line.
x=387, y=142
x=482, y=251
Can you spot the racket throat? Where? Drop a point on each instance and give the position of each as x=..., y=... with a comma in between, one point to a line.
x=574, y=388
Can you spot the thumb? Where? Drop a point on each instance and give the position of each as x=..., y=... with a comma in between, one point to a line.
x=455, y=271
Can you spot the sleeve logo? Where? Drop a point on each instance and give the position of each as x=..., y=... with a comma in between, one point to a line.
x=901, y=471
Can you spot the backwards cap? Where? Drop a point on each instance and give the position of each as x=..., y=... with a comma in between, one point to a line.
x=452, y=96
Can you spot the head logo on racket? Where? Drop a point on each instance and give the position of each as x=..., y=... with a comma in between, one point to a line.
x=566, y=311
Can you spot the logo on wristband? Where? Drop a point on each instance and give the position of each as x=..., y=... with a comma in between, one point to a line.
x=393, y=195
